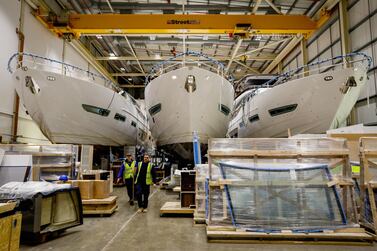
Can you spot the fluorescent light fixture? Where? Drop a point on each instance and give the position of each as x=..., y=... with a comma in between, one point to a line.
x=238, y=69
x=129, y=79
x=113, y=57
x=205, y=37
x=122, y=69
x=111, y=54
x=99, y=36
x=157, y=56
x=258, y=38
x=174, y=77
x=152, y=38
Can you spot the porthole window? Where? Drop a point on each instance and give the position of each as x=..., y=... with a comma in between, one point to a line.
x=282, y=110
x=119, y=117
x=224, y=109
x=254, y=118
x=155, y=109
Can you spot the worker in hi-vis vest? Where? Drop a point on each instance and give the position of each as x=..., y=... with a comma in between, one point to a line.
x=144, y=177
x=127, y=173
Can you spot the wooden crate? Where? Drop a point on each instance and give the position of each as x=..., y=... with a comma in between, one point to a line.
x=10, y=230
x=101, y=189
x=334, y=151
x=99, y=175
x=105, y=206
x=368, y=182
x=346, y=236
x=85, y=186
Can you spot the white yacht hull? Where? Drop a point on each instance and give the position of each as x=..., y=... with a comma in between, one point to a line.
x=183, y=113
x=58, y=110
x=321, y=105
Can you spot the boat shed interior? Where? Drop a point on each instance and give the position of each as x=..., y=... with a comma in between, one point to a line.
x=188, y=125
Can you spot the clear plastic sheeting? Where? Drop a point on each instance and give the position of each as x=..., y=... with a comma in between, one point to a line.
x=201, y=187
x=27, y=190
x=289, y=196
x=274, y=186
x=49, y=161
x=309, y=145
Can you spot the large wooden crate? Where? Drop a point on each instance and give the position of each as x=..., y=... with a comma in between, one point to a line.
x=368, y=182
x=331, y=154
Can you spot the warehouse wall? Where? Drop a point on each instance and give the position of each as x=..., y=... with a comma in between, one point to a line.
x=326, y=43
x=38, y=40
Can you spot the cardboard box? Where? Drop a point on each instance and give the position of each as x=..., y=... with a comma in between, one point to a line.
x=101, y=189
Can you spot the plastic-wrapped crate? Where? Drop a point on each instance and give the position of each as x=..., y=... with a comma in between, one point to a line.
x=268, y=185
x=368, y=182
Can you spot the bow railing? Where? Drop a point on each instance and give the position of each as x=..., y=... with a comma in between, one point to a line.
x=39, y=62
x=171, y=64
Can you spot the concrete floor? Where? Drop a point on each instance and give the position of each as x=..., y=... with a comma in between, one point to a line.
x=127, y=230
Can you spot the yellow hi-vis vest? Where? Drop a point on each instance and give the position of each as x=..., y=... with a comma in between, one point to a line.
x=148, y=176
x=129, y=170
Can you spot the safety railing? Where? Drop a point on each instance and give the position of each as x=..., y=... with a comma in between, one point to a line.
x=306, y=69
x=171, y=64
x=34, y=61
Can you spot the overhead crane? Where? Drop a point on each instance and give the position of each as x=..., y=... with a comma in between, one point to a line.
x=76, y=25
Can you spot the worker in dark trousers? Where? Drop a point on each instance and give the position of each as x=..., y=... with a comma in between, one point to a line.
x=145, y=176
x=127, y=172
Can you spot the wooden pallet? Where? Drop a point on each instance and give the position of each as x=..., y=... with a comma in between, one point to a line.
x=100, y=207
x=347, y=236
x=199, y=218
x=177, y=189
x=174, y=208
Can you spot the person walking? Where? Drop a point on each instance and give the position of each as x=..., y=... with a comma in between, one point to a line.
x=126, y=173
x=145, y=176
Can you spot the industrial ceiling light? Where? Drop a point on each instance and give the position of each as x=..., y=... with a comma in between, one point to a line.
x=112, y=55
x=157, y=56
x=99, y=36
x=122, y=69
x=129, y=79
x=152, y=38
